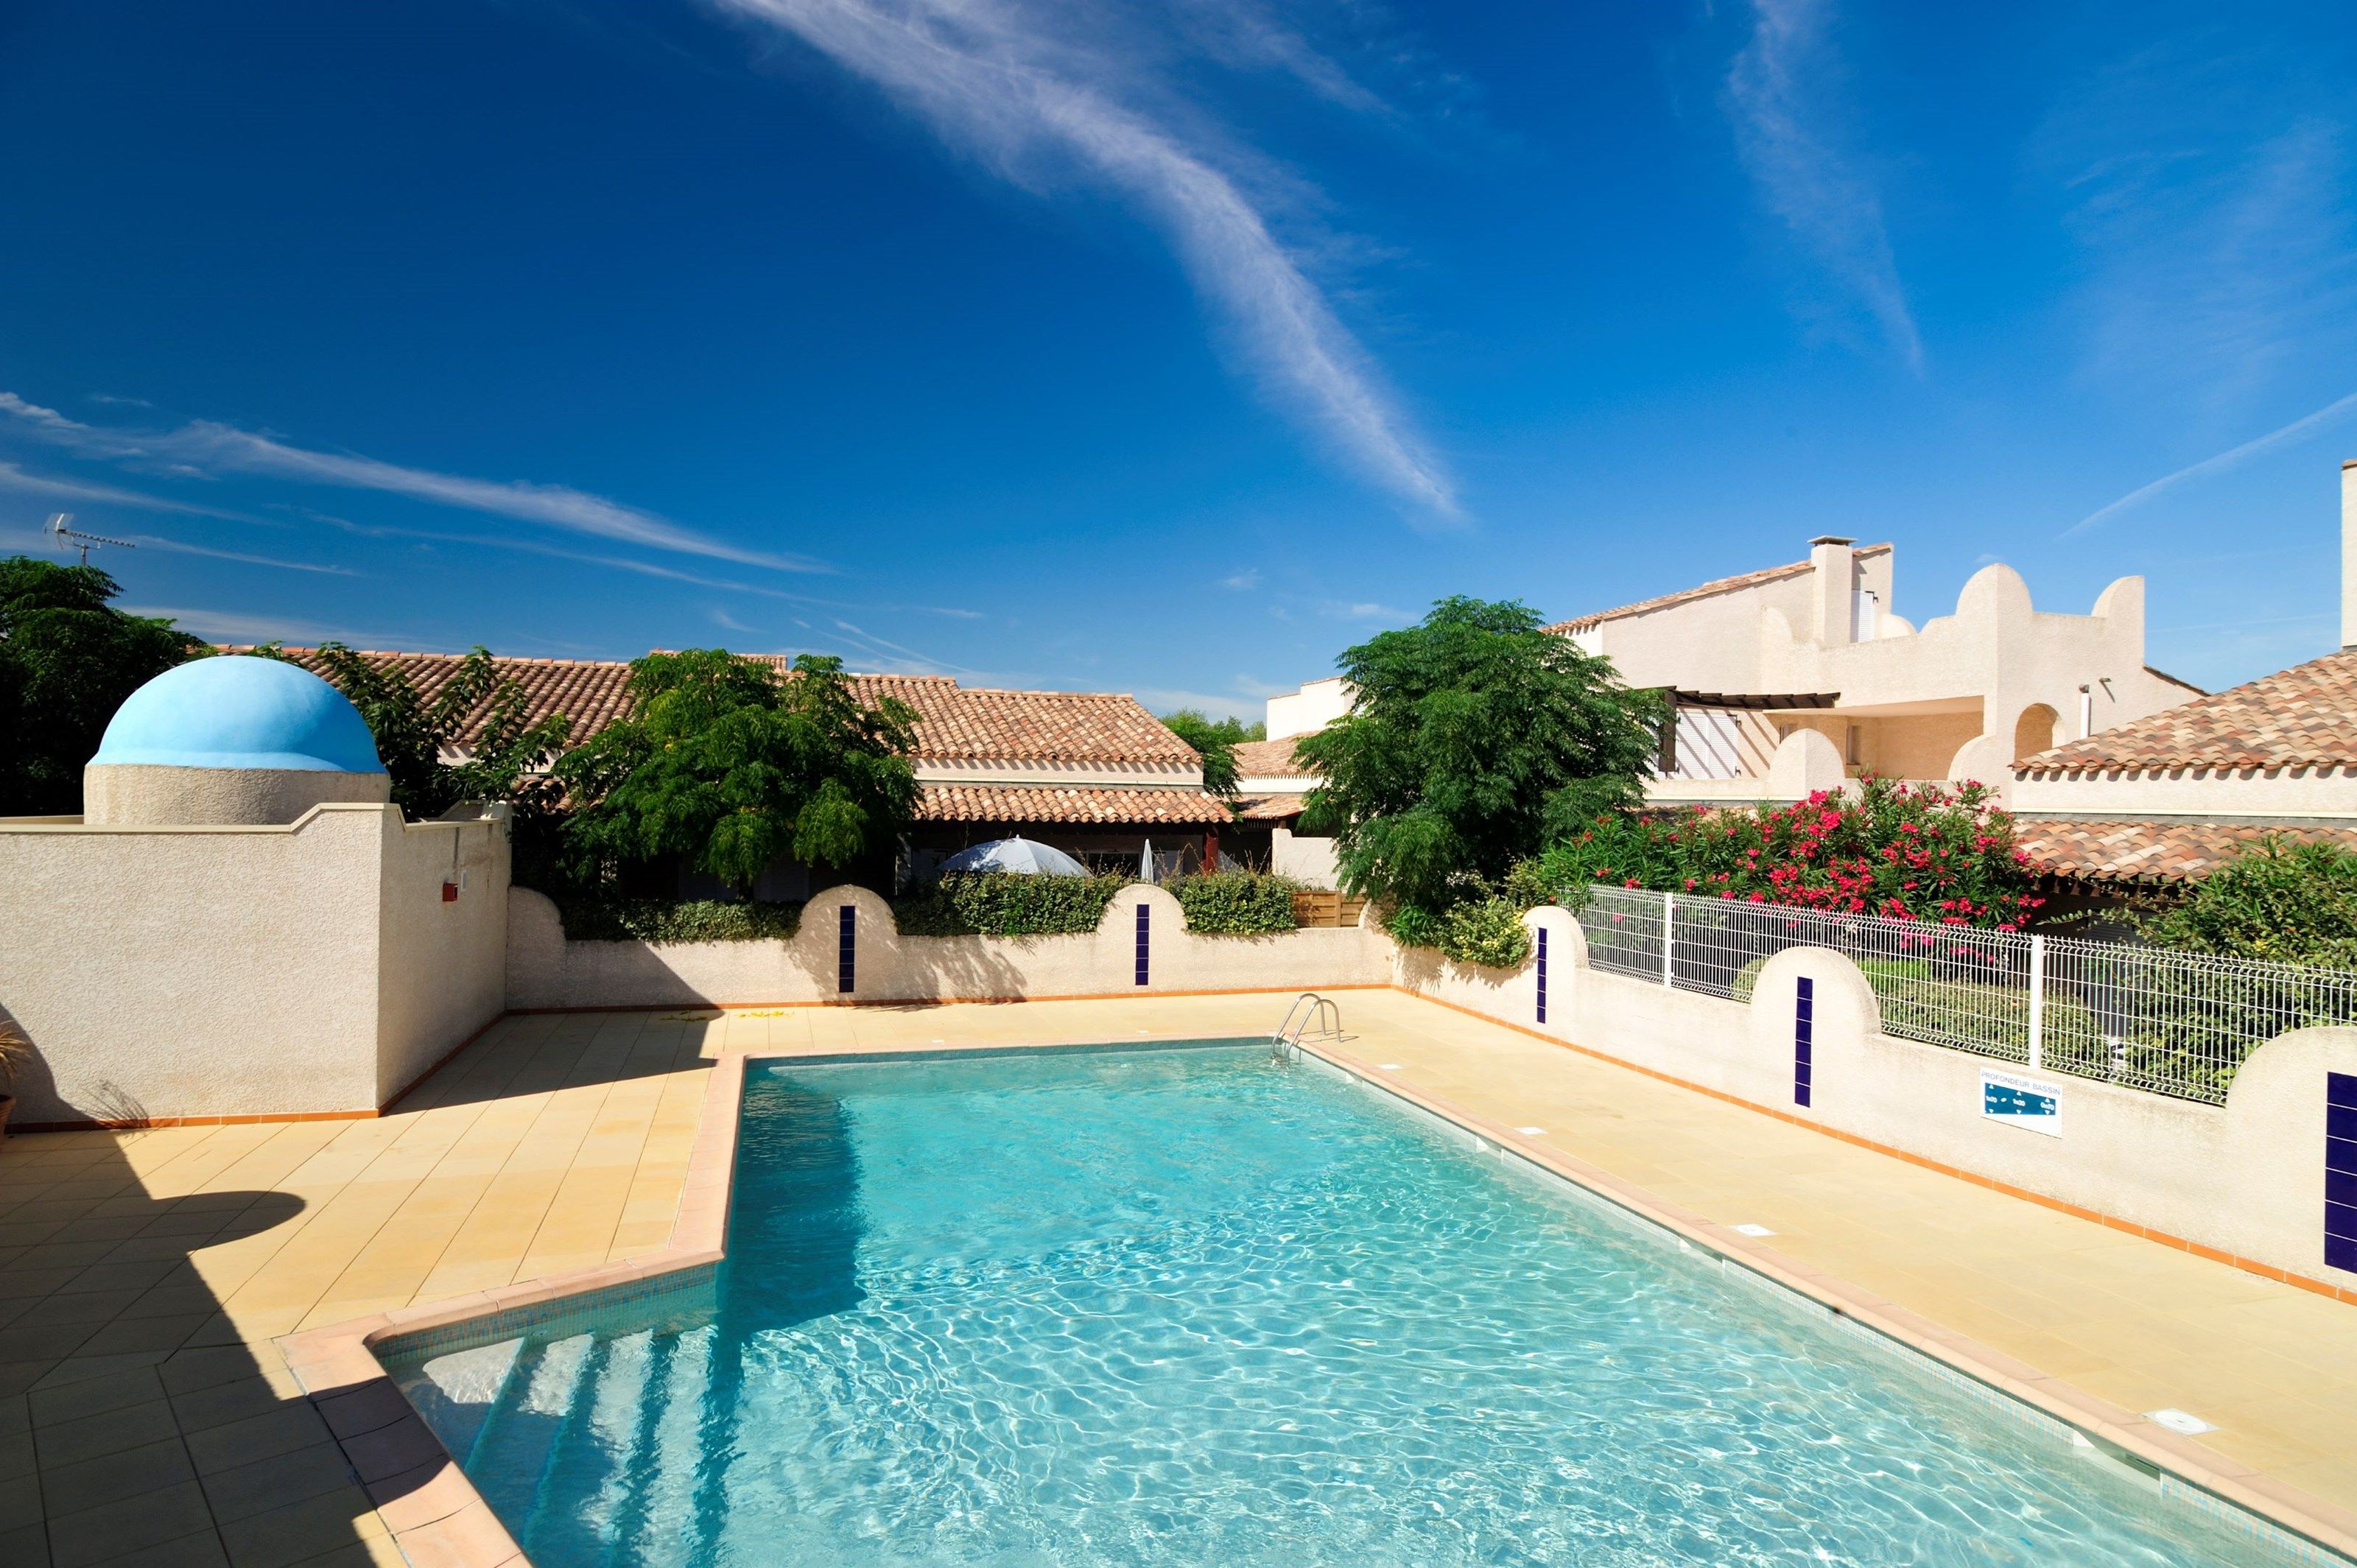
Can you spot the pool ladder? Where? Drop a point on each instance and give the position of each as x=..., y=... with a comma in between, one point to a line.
x=1312, y=1016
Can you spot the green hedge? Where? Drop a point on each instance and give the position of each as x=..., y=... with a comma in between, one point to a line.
x=963, y=904
x=662, y=920
x=1235, y=903
x=1485, y=932
x=1005, y=904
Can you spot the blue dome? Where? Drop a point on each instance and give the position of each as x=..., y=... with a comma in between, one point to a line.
x=236, y=711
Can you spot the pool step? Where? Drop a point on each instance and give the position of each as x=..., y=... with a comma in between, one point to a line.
x=603, y=1439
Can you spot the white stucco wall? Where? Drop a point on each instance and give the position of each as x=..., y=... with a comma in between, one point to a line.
x=186, y=972
x=139, y=796
x=2222, y=794
x=545, y=970
x=1309, y=709
x=2246, y=1177
x=191, y=971
x=1308, y=861
x=1805, y=762
x=1919, y=698
x=441, y=965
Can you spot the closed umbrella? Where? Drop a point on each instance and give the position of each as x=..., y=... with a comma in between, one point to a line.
x=1017, y=854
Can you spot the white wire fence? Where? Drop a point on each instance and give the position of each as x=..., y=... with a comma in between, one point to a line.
x=2171, y=1023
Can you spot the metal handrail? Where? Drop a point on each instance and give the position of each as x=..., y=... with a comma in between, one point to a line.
x=1323, y=1021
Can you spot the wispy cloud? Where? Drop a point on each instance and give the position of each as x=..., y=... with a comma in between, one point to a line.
x=1249, y=36
x=1016, y=85
x=2206, y=179
x=14, y=478
x=1776, y=96
x=1242, y=581
x=1349, y=609
x=634, y=566
x=31, y=540
x=236, y=626
x=205, y=447
x=890, y=657
x=2290, y=433
x=179, y=547
x=1169, y=699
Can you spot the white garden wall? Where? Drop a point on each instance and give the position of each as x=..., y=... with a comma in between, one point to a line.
x=546, y=970
x=2245, y=1178
x=176, y=972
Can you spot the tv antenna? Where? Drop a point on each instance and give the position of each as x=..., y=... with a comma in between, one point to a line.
x=60, y=528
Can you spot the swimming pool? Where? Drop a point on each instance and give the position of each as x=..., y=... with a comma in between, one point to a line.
x=1202, y=1305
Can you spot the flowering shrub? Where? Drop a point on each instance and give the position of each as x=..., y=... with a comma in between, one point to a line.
x=1484, y=931
x=1908, y=852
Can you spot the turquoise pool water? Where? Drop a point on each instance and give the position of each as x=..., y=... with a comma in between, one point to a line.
x=1167, y=1306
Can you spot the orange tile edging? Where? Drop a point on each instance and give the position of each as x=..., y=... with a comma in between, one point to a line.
x=1138, y=996
x=2043, y=1200
x=435, y=1515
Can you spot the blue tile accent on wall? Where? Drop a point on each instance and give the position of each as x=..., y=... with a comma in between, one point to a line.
x=1145, y=912
x=846, y=948
x=1805, y=1029
x=1541, y=974
x=2341, y=1170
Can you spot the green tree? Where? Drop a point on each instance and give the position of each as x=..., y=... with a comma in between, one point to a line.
x=1216, y=741
x=2292, y=902
x=1473, y=738
x=505, y=762
x=68, y=658
x=729, y=764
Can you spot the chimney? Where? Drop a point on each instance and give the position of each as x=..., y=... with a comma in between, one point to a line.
x=1834, y=584
x=2349, y=555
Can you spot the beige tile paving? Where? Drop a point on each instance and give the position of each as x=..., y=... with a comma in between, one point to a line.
x=145, y=1416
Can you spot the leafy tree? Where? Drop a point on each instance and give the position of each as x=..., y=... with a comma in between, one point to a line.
x=729, y=764
x=1216, y=741
x=1475, y=736
x=1908, y=852
x=413, y=731
x=2292, y=902
x=68, y=658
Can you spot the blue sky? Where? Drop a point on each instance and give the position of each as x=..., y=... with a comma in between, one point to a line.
x=1171, y=346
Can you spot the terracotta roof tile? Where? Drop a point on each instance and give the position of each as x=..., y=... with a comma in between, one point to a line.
x=2147, y=854
x=954, y=724
x=1111, y=808
x=1270, y=808
x=1267, y=758
x=2302, y=717
x=1701, y=591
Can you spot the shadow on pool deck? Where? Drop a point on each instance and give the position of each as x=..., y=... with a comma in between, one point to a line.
x=133, y=1420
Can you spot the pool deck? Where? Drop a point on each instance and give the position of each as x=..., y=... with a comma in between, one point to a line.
x=147, y=1414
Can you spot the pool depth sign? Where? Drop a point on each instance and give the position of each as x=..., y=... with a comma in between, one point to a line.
x=2020, y=1102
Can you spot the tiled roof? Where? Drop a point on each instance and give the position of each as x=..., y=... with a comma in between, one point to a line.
x=2302, y=717
x=1109, y=808
x=2147, y=854
x=1704, y=590
x=962, y=723
x=954, y=724
x=1270, y=808
x=1267, y=758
